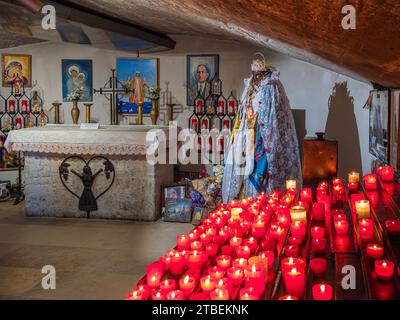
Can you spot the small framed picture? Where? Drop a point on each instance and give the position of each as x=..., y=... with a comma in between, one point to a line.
x=178, y=210
x=174, y=192
x=198, y=215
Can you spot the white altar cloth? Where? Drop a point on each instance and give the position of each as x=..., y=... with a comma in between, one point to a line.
x=136, y=192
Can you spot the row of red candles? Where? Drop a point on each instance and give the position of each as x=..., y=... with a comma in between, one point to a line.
x=235, y=246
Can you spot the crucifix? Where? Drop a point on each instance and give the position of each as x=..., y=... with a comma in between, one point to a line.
x=111, y=91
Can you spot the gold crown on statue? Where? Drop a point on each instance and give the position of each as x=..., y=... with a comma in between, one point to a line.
x=260, y=64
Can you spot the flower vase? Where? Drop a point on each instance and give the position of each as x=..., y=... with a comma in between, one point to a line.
x=154, y=111
x=75, y=112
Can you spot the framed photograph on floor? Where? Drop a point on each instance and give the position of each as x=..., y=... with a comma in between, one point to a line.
x=379, y=125
x=198, y=215
x=178, y=210
x=200, y=70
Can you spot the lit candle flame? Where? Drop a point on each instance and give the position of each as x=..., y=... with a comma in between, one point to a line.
x=322, y=287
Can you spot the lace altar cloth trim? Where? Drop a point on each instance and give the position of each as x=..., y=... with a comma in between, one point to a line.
x=70, y=148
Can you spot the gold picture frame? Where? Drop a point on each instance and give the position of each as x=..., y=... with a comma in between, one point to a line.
x=22, y=63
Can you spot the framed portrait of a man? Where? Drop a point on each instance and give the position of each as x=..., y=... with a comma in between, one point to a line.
x=200, y=70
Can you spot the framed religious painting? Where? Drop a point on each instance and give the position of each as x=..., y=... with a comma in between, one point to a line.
x=77, y=74
x=136, y=75
x=16, y=66
x=394, y=129
x=200, y=70
x=379, y=125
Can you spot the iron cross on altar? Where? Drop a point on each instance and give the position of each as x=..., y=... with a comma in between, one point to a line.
x=111, y=91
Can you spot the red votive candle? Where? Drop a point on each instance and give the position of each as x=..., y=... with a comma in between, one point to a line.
x=353, y=187
x=243, y=252
x=183, y=242
x=154, y=272
x=292, y=251
x=337, y=182
x=318, y=266
x=207, y=284
x=219, y=294
x=317, y=232
x=384, y=269
x=387, y=174
x=322, y=291
x=196, y=245
x=374, y=251
x=298, y=229
x=157, y=294
x=294, y=281
x=239, y=263
x=177, y=265
x=187, y=284
x=287, y=297
x=318, y=211
x=306, y=195
x=212, y=249
x=176, y=295
x=366, y=223
x=319, y=245
x=224, y=261
x=235, y=241
x=216, y=272
x=341, y=227
x=236, y=275
x=167, y=285
x=283, y=217
x=366, y=234
x=339, y=216
x=276, y=231
x=205, y=238
x=218, y=239
x=370, y=182
x=393, y=227
x=295, y=241
x=251, y=243
x=195, y=260
x=248, y=293
x=267, y=257
x=255, y=277
x=141, y=292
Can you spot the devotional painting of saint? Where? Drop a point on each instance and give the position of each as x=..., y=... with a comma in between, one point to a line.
x=263, y=151
x=16, y=67
x=379, y=125
x=77, y=74
x=134, y=75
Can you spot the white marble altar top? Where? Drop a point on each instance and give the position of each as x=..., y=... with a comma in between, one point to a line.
x=70, y=139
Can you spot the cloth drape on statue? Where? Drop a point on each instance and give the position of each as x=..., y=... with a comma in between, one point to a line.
x=265, y=157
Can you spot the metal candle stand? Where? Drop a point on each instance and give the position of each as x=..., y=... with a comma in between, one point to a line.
x=213, y=112
x=20, y=111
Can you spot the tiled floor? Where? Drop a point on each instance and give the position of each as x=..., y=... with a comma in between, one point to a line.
x=94, y=259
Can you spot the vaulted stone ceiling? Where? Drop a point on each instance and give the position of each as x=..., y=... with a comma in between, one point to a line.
x=306, y=29
x=309, y=30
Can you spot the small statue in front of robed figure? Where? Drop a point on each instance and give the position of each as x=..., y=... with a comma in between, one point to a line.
x=153, y=94
x=87, y=200
x=75, y=95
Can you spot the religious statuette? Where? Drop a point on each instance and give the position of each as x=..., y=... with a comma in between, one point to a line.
x=87, y=200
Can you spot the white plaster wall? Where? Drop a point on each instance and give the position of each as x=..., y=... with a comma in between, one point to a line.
x=308, y=87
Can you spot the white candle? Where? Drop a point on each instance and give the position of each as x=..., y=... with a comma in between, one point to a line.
x=290, y=184
x=354, y=177
x=363, y=209
x=298, y=213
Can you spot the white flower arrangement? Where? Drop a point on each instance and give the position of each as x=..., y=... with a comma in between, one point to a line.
x=75, y=94
x=153, y=93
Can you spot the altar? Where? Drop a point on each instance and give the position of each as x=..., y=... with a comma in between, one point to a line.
x=134, y=184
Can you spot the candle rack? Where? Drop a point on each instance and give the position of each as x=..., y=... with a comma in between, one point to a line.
x=213, y=113
x=19, y=109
